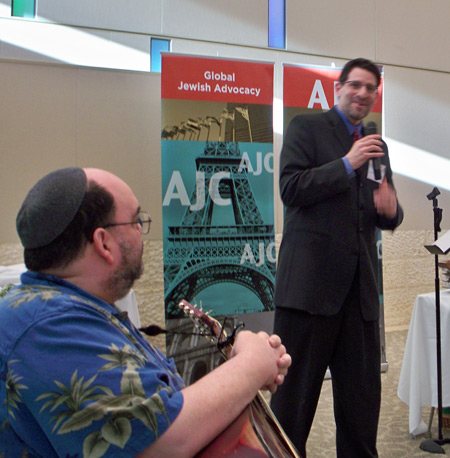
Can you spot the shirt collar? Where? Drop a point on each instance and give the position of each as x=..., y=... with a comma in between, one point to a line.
x=350, y=127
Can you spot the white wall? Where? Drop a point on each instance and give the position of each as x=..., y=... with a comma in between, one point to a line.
x=411, y=33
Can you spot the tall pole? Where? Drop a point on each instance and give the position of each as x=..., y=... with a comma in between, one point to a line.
x=430, y=445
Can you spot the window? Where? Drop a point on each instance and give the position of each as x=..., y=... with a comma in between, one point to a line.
x=277, y=24
x=157, y=45
x=23, y=8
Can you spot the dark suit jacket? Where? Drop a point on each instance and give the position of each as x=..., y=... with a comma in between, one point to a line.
x=330, y=220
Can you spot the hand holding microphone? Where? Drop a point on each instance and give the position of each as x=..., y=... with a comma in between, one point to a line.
x=370, y=129
x=367, y=148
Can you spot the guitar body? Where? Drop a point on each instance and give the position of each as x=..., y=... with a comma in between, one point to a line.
x=255, y=433
x=239, y=440
x=251, y=435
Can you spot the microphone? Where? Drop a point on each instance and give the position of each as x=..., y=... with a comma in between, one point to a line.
x=370, y=129
x=155, y=330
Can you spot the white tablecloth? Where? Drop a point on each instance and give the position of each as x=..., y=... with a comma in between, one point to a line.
x=129, y=304
x=417, y=385
x=11, y=274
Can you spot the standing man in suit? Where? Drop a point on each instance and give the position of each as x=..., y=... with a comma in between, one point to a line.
x=326, y=297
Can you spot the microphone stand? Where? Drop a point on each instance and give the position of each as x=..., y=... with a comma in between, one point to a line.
x=435, y=445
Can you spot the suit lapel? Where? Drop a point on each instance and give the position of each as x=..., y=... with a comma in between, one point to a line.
x=340, y=130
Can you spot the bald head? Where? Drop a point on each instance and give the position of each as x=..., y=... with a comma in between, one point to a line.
x=121, y=192
x=102, y=177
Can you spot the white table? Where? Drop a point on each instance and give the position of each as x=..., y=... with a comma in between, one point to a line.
x=417, y=385
x=11, y=274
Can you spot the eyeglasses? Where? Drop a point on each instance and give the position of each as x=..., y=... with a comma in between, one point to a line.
x=143, y=219
x=357, y=85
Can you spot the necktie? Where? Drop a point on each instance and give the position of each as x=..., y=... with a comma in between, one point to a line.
x=356, y=134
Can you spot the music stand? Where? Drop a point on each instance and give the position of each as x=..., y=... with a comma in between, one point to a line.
x=440, y=246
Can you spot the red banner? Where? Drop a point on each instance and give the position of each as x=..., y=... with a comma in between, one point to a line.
x=314, y=87
x=216, y=80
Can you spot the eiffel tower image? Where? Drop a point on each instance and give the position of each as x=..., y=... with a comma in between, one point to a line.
x=199, y=254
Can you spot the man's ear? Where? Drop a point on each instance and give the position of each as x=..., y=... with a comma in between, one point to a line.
x=103, y=244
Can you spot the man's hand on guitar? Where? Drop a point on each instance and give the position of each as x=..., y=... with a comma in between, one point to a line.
x=267, y=356
x=254, y=362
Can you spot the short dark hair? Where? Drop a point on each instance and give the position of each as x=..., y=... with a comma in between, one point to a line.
x=360, y=62
x=96, y=210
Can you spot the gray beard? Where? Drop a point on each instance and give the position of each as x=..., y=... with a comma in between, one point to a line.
x=122, y=279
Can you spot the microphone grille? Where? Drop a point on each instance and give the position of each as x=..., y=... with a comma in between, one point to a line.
x=371, y=128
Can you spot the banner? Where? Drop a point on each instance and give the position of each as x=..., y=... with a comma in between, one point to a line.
x=312, y=88
x=309, y=89
x=217, y=186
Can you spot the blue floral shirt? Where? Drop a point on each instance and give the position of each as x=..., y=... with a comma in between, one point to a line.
x=76, y=377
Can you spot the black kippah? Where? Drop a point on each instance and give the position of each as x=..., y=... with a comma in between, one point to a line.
x=50, y=206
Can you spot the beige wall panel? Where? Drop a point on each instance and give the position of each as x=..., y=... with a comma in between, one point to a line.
x=342, y=29
x=233, y=21
x=119, y=117
x=37, y=131
x=417, y=106
x=55, y=116
x=418, y=209
x=413, y=33
x=141, y=16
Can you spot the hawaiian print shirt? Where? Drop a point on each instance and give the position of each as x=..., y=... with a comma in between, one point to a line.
x=76, y=377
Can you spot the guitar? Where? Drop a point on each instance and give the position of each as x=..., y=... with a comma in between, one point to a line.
x=256, y=432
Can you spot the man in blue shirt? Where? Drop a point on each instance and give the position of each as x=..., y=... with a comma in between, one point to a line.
x=77, y=378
